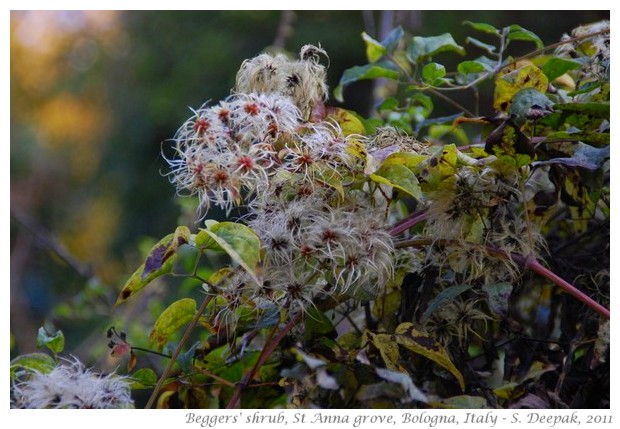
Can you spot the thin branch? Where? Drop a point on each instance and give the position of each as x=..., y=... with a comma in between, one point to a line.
x=151, y=352
x=555, y=45
x=262, y=358
x=409, y=222
x=177, y=351
x=500, y=66
x=52, y=243
x=530, y=263
x=437, y=92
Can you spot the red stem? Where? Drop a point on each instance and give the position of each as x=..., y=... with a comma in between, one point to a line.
x=533, y=264
x=526, y=262
x=264, y=355
x=406, y=224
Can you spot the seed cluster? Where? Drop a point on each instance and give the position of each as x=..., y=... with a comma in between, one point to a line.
x=71, y=385
x=256, y=149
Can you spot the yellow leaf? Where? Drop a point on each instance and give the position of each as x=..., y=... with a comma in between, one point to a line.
x=423, y=344
x=388, y=348
x=348, y=122
x=514, y=78
x=170, y=320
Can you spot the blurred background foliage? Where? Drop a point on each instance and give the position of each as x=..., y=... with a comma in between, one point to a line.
x=93, y=96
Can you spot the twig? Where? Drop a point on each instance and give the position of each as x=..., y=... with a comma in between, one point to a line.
x=177, y=351
x=408, y=223
x=264, y=355
x=530, y=263
x=49, y=241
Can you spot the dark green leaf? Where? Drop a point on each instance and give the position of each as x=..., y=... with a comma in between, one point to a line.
x=389, y=103
x=593, y=138
x=556, y=67
x=442, y=298
x=423, y=48
x=530, y=103
x=384, y=69
x=54, y=342
x=433, y=73
x=516, y=32
x=479, y=44
x=589, y=87
x=481, y=26
x=391, y=41
x=316, y=324
x=599, y=110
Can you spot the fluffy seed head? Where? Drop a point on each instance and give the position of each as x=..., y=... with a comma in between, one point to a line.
x=71, y=385
x=303, y=81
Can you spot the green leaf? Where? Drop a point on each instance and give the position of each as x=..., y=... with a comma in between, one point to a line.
x=144, y=378
x=164, y=250
x=316, y=324
x=443, y=298
x=423, y=48
x=159, y=261
x=596, y=139
x=32, y=362
x=516, y=32
x=425, y=345
x=137, y=281
x=374, y=49
x=498, y=295
x=400, y=177
x=472, y=67
x=479, y=44
x=556, y=67
x=54, y=342
x=599, y=110
x=391, y=41
x=462, y=402
x=384, y=69
x=238, y=240
x=390, y=103
x=439, y=131
x=170, y=320
x=527, y=101
x=484, y=27
x=513, y=79
x=433, y=73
